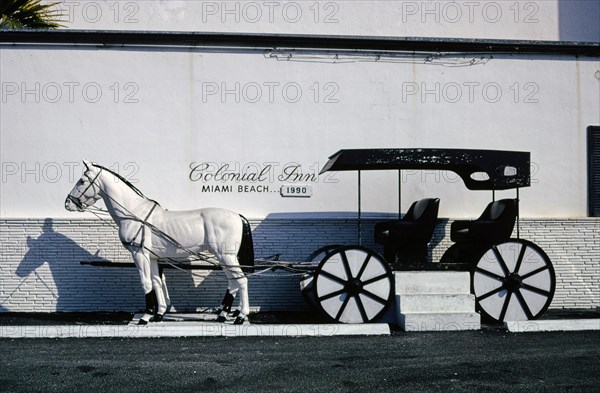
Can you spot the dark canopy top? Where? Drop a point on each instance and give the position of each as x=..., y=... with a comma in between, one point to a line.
x=504, y=169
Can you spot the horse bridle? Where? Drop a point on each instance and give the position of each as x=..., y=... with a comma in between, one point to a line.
x=77, y=200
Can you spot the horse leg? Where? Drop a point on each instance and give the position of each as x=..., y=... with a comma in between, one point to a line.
x=157, y=287
x=228, y=299
x=164, y=288
x=142, y=262
x=238, y=283
x=226, y=303
x=244, y=301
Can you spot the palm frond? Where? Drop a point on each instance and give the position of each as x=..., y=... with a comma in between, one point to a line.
x=32, y=14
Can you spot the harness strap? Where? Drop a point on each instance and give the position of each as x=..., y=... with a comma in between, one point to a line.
x=77, y=200
x=142, y=224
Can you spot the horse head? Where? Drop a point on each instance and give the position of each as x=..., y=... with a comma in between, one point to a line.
x=53, y=248
x=86, y=191
x=31, y=260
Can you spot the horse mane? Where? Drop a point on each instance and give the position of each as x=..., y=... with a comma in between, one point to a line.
x=126, y=182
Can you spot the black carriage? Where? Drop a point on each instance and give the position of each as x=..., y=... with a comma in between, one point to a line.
x=511, y=278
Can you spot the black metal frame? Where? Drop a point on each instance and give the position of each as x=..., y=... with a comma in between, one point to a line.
x=110, y=38
x=593, y=193
x=464, y=162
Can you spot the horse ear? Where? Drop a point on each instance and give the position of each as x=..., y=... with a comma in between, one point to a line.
x=87, y=164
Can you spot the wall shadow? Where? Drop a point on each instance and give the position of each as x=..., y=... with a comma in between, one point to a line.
x=578, y=20
x=294, y=236
x=56, y=281
x=195, y=290
x=62, y=255
x=74, y=287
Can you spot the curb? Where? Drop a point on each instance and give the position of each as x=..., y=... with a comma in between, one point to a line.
x=193, y=329
x=550, y=325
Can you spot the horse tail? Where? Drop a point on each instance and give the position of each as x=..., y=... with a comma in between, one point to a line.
x=246, y=251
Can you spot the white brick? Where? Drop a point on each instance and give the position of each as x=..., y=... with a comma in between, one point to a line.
x=573, y=245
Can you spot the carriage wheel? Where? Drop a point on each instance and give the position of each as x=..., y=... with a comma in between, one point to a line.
x=353, y=285
x=306, y=281
x=514, y=281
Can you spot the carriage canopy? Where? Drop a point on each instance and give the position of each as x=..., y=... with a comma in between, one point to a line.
x=479, y=169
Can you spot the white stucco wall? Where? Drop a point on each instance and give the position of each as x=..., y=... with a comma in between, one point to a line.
x=567, y=20
x=151, y=113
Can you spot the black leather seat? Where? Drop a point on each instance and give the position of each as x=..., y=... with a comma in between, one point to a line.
x=406, y=240
x=495, y=224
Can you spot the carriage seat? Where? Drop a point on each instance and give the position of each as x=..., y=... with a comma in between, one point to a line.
x=409, y=236
x=495, y=224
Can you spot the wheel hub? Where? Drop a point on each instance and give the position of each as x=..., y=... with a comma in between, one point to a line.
x=513, y=281
x=354, y=286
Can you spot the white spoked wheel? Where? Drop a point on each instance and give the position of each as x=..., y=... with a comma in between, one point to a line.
x=353, y=285
x=514, y=281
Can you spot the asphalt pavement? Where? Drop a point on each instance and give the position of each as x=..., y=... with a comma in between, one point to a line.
x=489, y=360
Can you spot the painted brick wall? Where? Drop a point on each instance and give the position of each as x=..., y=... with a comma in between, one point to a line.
x=40, y=266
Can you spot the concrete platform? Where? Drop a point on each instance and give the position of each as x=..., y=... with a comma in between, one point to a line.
x=431, y=303
x=432, y=282
x=193, y=325
x=428, y=322
x=435, y=301
x=553, y=325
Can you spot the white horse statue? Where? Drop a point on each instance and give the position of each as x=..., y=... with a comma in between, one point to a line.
x=150, y=232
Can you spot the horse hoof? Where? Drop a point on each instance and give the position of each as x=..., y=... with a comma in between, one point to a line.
x=142, y=322
x=157, y=318
x=221, y=319
x=236, y=313
x=239, y=320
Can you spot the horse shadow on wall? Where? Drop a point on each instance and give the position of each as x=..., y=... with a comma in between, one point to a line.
x=73, y=287
x=65, y=285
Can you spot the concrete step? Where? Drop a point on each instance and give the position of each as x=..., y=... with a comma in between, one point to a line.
x=435, y=303
x=421, y=322
x=438, y=283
